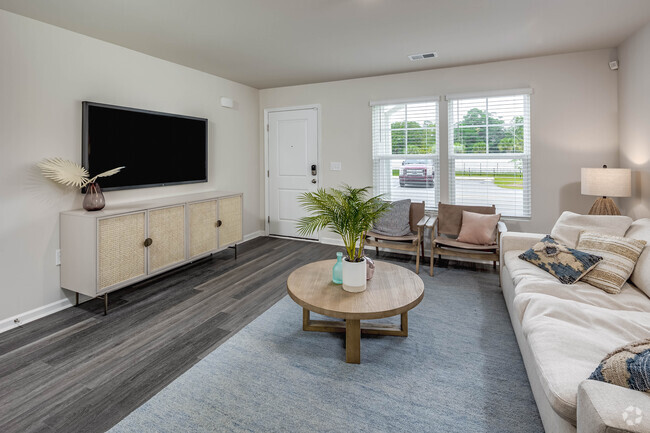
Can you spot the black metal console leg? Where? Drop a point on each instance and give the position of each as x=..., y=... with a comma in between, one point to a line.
x=76, y=299
x=235, y=248
x=105, y=303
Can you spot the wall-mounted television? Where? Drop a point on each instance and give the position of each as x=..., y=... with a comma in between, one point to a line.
x=156, y=148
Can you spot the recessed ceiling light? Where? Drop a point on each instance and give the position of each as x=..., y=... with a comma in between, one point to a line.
x=423, y=56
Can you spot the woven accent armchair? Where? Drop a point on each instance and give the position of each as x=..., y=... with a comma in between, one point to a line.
x=446, y=227
x=411, y=242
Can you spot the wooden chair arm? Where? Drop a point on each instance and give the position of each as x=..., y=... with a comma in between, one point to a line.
x=423, y=221
x=432, y=220
x=433, y=225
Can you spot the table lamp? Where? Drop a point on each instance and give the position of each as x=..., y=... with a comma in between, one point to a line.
x=606, y=182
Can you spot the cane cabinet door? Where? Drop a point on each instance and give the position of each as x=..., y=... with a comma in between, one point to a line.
x=120, y=249
x=203, y=227
x=167, y=237
x=230, y=215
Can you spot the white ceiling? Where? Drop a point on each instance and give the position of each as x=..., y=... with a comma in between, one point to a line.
x=272, y=43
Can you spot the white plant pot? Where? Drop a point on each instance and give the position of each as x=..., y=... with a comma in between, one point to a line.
x=354, y=276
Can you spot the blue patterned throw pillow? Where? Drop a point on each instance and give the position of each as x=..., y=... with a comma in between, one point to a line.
x=627, y=366
x=564, y=263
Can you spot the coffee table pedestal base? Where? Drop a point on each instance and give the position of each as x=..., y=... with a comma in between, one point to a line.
x=353, y=330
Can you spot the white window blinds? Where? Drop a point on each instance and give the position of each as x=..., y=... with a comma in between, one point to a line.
x=405, y=151
x=489, y=152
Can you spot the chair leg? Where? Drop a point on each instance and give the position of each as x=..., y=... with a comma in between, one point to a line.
x=494, y=264
x=377, y=251
x=431, y=262
x=417, y=260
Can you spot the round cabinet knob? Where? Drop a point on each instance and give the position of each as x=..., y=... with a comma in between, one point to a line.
x=313, y=181
x=218, y=223
x=148, y=242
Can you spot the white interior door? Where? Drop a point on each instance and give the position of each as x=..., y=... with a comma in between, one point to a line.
x=293, y=167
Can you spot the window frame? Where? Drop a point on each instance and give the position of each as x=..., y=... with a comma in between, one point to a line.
x=524, y=156
x=381, y=137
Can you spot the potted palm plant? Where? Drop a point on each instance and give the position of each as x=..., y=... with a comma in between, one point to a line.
x=350, y=213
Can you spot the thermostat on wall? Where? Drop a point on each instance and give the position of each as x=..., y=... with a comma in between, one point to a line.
x=227, y=102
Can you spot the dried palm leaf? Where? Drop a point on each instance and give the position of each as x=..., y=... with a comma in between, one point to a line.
x=106, y=174
x=65, y=172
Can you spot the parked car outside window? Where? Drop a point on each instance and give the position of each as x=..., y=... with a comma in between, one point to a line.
x=416, y=173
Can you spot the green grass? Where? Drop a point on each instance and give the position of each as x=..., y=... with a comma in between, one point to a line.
x=512, y=180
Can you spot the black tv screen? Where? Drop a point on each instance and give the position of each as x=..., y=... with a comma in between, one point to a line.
x=155, y=148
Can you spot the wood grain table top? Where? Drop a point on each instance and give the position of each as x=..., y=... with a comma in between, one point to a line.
x=392, y=290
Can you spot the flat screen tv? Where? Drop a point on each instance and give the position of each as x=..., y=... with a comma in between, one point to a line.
x=155, y=148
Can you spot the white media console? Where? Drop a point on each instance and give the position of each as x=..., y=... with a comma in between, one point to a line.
x=109, y=249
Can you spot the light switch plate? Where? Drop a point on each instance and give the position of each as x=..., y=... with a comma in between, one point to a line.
x=335, y=166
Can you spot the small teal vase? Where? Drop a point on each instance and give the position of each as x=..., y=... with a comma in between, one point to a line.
x=337, y=270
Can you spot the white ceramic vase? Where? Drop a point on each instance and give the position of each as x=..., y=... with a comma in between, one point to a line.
x=354, y=276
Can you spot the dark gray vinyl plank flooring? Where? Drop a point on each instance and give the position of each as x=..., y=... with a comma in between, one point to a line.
x=80, y=371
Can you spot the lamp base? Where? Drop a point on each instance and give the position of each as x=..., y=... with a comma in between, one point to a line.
x=604, y=206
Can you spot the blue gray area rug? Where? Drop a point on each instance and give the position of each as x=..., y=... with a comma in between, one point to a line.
x=459, y=370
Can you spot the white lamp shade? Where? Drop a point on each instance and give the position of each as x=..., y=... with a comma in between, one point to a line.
x=606, y=182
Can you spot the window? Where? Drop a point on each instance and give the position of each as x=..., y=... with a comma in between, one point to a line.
x=405, y=150
x=489, y=151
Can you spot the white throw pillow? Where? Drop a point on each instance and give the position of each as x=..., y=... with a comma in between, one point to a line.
x=640, y=229
x=568, y=227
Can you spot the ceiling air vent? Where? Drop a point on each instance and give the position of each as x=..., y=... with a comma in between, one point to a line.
x=423, y=56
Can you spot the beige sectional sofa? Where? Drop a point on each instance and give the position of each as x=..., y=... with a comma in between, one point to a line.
x=564, y=331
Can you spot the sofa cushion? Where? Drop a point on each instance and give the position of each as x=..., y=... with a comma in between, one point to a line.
x=627, y=366
x=568, y=227
x=630, y=298
x=640, y=229
x=395, y=222
x=568, y=340
x=619, y=257
x=566, y=264
x=529, y=279
x=521, y=270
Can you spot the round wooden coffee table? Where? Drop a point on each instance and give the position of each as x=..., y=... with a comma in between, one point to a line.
x=393, y=290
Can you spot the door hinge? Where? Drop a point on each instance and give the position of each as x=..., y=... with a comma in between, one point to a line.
x=267, y=127
x=268, y=173
x=269, y=218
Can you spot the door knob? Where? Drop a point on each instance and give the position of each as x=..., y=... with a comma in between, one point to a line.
x=218, y=223
x=313, y=181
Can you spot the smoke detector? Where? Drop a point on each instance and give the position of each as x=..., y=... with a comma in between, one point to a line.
x=423, y=56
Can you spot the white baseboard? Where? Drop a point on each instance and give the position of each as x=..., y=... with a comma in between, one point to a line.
x=36, y=313
x=46, y=310
x=254, y=235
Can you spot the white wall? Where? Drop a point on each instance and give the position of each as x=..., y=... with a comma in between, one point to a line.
x=634, y=119
x=573, y=110
x=45, y=73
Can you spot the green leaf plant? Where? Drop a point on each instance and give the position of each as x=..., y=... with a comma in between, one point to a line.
x=347, y=212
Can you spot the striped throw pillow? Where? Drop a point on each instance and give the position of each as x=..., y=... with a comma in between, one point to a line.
x=619, y=258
